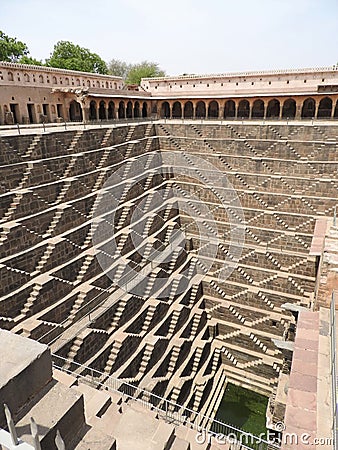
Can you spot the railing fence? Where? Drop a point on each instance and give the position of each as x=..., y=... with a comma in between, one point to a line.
x=50, y=126
x=166, y=409
x=9, y=439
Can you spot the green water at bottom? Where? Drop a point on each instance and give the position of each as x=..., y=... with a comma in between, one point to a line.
x=243, y=409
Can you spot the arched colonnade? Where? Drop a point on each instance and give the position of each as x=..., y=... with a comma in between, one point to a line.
x=278, y=108
x=123, y=109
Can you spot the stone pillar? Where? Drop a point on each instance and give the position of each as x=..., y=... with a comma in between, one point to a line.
x=266, y=104
x=170, y=110
x=298, y=110
x=85, y=114
x=250, y=109
x=236, y=112
x=332, y=112
x=221, y=111
x=154, y=106
x=316, y=109
x=84, y=111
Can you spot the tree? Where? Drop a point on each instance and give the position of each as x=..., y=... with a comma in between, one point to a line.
x=29, y=60
x=144, y=69
x=11, y=50
x=119, y=68
x=67, y=55
x=132, y=73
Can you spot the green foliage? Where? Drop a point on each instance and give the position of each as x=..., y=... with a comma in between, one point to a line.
x=144, y=69
x=29, y=60
x=11, y=50
x=67, y=55
x=119, y=68
x=132, y=73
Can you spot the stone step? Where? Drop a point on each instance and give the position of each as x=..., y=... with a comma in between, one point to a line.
x=180, y=444
x=59, y=408
x=96, y=401
x=96, y=439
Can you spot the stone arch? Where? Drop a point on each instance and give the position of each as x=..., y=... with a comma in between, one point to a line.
x=102, y=110
x=144, y=110
x=165, y=110
x=229, y=109
x=78, y=82
x=213, y=109
x=273, y=109
x=325, y=108
x=129, y=110
x=98, y=84
x=111, y=110
x=258, y=109
x=92, y=110
x=40, y=79
x=75, y=111
x=122, y=110
x=26, y=77
x=289, y=109
x=308, y=108
x=200, y=110
x=136, y=109
x=88, y=83
x=107, y=85
x=54, y=80
x=188, y=110
x=177, y=110
x=67, y=81
x=10, y=76
x=244, y=109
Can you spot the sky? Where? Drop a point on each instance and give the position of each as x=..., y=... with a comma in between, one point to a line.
x=183, y=36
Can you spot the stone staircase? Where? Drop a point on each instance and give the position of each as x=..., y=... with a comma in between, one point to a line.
x=112, y=357
x=245, y=301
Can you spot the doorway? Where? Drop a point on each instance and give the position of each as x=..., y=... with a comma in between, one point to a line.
x=14, y=107
x=31, y=112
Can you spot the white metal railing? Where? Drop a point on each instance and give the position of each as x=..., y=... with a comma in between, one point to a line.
x=9, y=439
x=334, y=384
x=167, y=410
x=90, y=124
x=65, y=125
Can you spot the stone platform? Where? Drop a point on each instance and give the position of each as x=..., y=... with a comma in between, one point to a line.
x=308, y=414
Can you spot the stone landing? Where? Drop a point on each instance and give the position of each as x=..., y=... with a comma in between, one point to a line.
x=308, y=414
x=29, y=389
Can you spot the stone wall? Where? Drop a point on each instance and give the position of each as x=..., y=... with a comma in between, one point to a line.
x=180, y=337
